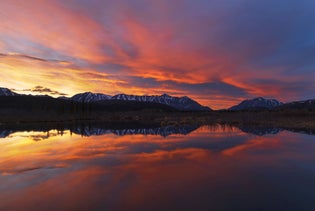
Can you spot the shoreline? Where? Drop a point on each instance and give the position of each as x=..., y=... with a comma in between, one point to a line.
x=296, y=119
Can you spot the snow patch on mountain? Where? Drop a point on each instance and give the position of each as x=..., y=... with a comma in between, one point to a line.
x=7, y=92
x=257, y=104
x=90, y=97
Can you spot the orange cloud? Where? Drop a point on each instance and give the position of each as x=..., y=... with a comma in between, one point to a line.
x=68, y=33
x=22, y=73
x=96, y=48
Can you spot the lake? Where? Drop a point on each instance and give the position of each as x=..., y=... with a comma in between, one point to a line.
x=215, y=167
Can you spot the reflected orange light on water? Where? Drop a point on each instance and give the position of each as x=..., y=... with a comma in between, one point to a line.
x=68, y=171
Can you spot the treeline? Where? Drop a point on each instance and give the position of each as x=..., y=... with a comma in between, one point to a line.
x=49, y=104
x=40, y=103
x=21, y=109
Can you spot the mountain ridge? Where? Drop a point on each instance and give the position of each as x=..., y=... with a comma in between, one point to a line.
x=302, y=104
x=7, y=92
x=258, y=103
x=180, y=103
x=89, y=97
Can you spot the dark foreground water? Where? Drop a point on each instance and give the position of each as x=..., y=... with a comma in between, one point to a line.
x=186, y=168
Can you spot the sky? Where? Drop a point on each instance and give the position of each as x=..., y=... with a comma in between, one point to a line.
x=217, y=52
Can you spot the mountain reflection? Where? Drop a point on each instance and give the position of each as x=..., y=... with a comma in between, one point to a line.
x=82, y=169
x=4, y=133
x=260, y=131
x=121, y=130
x=162, y=131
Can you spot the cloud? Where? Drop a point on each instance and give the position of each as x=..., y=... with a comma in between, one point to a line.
x=22, y=72
x=210, y=88
x=216, y=93
x=213, y=50
x=293, y=89
x=28, y=57
x=44, y=90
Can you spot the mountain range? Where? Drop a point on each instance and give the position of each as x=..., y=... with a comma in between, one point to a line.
x=262, y=104
x=178, y=103
x=305, y=104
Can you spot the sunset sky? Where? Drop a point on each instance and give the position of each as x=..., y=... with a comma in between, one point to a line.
x=217, y=52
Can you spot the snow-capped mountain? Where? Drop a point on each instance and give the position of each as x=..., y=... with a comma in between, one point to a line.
x=256, y=104
x=180, y=103
x=90, y=97
x=7, y=92
x=305, y=104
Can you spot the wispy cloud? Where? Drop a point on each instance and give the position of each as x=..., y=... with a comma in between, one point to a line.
x=44, y=90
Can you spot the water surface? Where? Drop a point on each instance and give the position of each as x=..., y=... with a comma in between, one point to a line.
x=185, y=168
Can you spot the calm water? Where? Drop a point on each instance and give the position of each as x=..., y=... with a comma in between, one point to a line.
x=188, y=168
